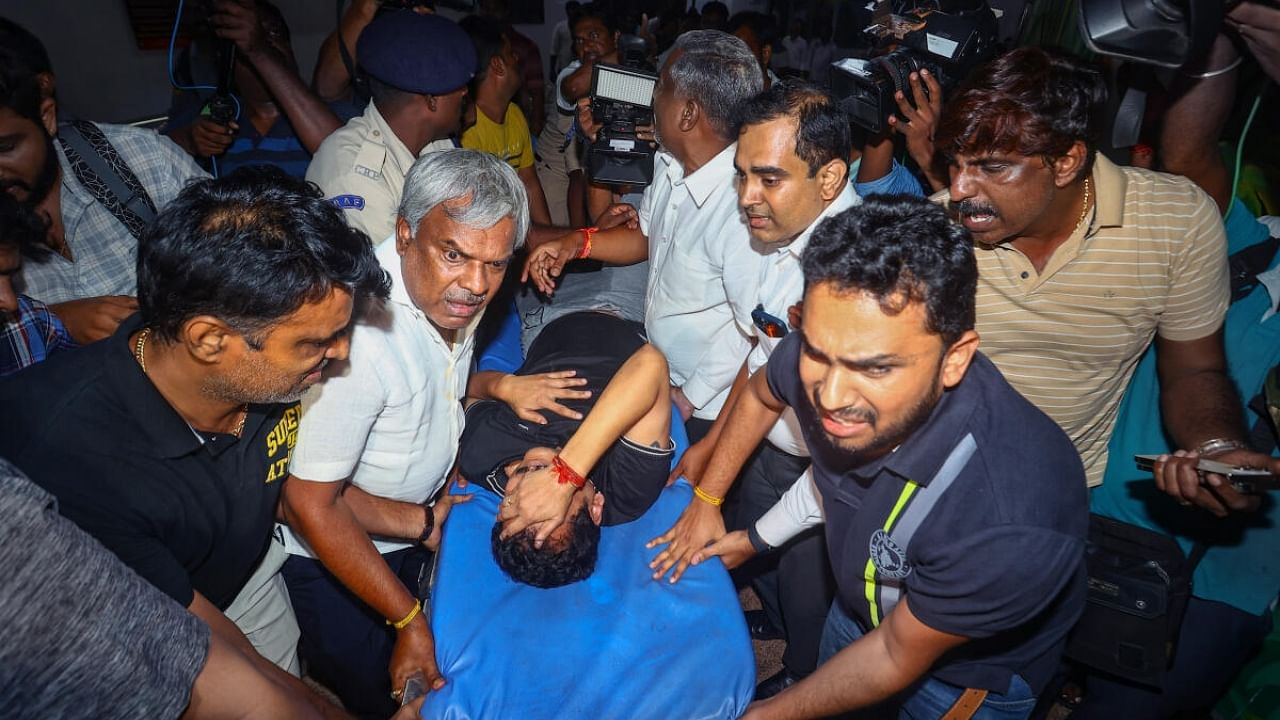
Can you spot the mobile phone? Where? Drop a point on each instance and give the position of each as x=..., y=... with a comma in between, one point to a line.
x=414, y=688
x=1250, y=481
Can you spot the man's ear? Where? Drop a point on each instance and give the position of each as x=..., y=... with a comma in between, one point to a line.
x=49, y=114
x=831, y=178
x=766, y=59
x=497, y=65
x=690, y=113
x=1067, y=167
x=206, y=338
x=955, y=362
x=597, y=508
x=404, y=236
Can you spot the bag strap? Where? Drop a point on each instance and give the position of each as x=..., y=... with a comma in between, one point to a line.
x=101, y=170
x=1247, y=263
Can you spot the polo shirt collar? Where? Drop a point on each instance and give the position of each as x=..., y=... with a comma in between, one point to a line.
x=399, y=151
x=920, y=456
x=708, y=178
x=1110, y=186
x=168, y=434
x=847, y=198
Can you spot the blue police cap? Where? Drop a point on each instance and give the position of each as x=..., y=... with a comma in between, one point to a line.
x=425, y=54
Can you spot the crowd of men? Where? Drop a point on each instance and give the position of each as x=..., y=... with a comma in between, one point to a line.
x=257, y=391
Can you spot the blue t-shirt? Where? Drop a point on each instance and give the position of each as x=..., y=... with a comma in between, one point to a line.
x=1241, y=567
x=999, y=558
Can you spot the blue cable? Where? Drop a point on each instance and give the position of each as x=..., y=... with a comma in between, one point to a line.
x=173, y=80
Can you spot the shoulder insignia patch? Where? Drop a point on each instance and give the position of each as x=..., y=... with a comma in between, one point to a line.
x=347, y=202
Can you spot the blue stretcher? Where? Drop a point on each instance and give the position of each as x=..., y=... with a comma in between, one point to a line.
x=617, y=645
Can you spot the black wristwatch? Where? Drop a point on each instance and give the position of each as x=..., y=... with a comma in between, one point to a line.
x=428, y=523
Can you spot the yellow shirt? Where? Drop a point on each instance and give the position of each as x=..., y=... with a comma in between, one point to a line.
x=508, y=140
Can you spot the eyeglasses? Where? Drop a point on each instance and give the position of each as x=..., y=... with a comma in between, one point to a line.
x=768, y=324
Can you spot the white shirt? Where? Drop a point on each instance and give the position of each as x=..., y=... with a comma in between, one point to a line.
x=781, y=285
x=800, y=507
x=702, y=275
x=390, y=416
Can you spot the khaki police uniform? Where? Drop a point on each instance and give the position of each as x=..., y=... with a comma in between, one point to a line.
x=361, y=168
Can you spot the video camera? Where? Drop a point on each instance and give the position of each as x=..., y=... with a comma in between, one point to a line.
x=621, y=101
x=948, y=39
x=1166, y=33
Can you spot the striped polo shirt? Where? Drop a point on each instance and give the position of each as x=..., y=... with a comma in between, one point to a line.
x=1152, y=259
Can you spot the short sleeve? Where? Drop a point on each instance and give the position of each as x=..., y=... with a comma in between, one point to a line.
x=645, y=211
x=338, y=414
x=520, y=127
x=783, y=370
x=992, y=580
x=898, y=181
x=1199, y=287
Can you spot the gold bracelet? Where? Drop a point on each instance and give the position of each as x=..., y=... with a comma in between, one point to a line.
x=417, y=608
x=707, y=497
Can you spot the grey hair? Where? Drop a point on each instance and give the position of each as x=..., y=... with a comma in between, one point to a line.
x=494, y=189
x=718, y=71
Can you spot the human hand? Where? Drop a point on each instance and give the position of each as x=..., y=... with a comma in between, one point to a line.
x=694, y=461
x=922, y=119
x=732, y=549
x=547, y=261
x=535, y=497
x=212, y=138
x=440, y=511
x=618, y=214
x=91, y=319
x=795, y=314
x=699, y=524
x=587, y=124
x=1259, y=26
x=238, y=22
x=527, y=394
x=1176, y=475
x=415, y=651
x=682, y=403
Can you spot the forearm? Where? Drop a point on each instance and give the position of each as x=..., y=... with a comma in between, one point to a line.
x=538, y=210
x=618, y=246
x=384, y=517
x=1194, y=120
x=183, y=139
x=746, y=425
x=1202, y=406
x=311, y=118
x=735, y=392
x=599, y=198
x=578, y=83
x=486, y=385
x=331, y=79
x=877, y=159
x=638, y=386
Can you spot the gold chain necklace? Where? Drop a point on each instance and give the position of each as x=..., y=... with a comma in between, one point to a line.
x=140, y=352
x=1084, y=210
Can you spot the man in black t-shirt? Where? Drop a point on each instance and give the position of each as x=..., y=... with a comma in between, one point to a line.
x=604, y=470
x=954, y=510
x=169, y=440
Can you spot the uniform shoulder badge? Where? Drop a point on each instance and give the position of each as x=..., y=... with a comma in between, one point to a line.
x=347, y=202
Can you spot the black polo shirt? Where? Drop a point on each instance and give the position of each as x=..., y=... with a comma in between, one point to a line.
x=595, y=345
x=999, y=557
x=89, y=427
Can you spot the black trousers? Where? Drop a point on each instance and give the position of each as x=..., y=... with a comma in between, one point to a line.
x=345, y=644
x=794, y=582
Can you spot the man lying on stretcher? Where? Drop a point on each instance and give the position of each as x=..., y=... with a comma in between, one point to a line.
x=564, y=478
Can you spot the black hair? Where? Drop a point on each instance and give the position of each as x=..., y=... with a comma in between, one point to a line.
x=487, y=35
x=899, y=249
x=600, y=11
x=549, y=567
x=25, y=46
x=19, y=86
x=249, y=248
x=715, y=7
x=762, y=25
x=386, y=96
x=822, y=128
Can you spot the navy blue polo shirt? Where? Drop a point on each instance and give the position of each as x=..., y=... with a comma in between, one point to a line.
x=90, y=428
x=999, y=557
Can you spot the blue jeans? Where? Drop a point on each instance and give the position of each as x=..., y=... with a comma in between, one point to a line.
x=929, y=698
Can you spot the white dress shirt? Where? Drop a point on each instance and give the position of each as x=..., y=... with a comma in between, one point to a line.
x=390, y=416
x=781, y=285
x=702, y=275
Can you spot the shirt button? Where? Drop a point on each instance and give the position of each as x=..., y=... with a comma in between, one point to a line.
x=377, y=134
x=1025, y=274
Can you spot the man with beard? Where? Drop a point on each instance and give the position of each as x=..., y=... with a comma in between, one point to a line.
x=418, y=67
x=169, y=441
x=384, y=428
x=84, y=267
x=955, y=511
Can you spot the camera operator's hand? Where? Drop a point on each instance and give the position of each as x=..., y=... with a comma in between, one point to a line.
x=586, y=121
x=922, y=120
x=210, y=138
x=1259, y=26
x=237, y=21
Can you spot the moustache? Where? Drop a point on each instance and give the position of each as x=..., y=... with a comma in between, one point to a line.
x=463, y=297
x=975, y=207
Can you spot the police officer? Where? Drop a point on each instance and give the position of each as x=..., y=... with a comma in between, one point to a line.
x=418, y=68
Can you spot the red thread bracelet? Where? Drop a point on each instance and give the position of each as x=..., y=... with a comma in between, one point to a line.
x=566, y=474
x=587, y=232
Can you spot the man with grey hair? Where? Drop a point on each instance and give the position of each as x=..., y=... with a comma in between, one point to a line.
x=702, y=268
x=378, y=437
